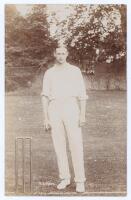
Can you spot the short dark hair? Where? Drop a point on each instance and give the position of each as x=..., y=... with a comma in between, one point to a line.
x=62, y=47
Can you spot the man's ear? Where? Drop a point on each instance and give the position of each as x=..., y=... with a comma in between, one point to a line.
x=54, y=54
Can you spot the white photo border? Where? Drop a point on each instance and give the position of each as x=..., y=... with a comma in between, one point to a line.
x=2, y=95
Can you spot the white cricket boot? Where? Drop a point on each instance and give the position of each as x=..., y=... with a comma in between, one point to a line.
x=63, y=184
x=80, y=187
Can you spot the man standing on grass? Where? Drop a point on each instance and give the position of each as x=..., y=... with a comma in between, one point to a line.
x=64, y=106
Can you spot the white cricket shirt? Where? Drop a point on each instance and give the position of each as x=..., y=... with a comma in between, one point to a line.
x=64, y=82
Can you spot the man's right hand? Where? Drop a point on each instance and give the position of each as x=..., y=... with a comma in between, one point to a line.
x=47, y=125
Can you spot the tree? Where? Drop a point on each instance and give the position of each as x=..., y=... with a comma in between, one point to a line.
x=93, y=32
x=98, y=27
x=28, y=41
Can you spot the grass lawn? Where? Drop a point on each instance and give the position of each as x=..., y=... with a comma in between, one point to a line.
x=104, y=138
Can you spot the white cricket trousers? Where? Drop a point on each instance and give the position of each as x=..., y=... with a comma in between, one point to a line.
x=64, y=119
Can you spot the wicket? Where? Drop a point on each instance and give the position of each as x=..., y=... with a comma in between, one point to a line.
x=23, y=141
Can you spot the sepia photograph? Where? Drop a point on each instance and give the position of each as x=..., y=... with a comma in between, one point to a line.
x=65, y=99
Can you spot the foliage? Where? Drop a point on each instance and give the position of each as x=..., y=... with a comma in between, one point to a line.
x=94, y=32
x=28, y=42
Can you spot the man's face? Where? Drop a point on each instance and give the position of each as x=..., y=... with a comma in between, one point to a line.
x=61, y=55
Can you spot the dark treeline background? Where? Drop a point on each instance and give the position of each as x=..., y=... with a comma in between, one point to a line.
x=95, y=37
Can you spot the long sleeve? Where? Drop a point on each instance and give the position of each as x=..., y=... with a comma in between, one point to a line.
x=46, y=85
x=81, y=87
